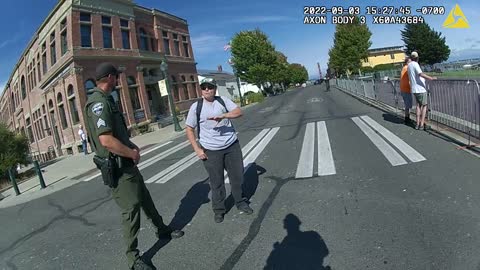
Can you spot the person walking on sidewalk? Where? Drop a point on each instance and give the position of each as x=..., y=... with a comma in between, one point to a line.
x=405, y=90
x=419, y=89
x=219, y=147
x=117, y=158
x=83, y=137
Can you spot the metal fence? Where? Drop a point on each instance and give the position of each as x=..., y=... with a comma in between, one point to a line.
x=453, y=103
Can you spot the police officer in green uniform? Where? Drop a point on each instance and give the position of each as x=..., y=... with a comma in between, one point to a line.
x=109, y=136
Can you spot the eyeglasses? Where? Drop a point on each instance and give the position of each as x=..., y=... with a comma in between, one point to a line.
x=207, y=87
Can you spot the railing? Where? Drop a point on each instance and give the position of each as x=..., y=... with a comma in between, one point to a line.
x=453, y=103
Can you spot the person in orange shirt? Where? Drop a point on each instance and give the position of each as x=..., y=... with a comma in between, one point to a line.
x=405, y=90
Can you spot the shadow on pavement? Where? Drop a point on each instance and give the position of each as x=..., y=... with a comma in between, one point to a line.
x=392, y=118
x=249, y=186
x=298, y=250
x=189, y=206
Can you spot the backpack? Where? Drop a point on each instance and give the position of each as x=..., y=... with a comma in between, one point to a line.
x=199, y=110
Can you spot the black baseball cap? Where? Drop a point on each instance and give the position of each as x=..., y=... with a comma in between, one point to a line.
x=105, y=69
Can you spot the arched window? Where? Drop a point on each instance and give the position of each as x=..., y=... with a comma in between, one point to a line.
x=59, y=98
x=133, y=89
x=50, y=104
x=143, y=40
x=72, y=104
x=185, y=88
x=24, y=88
x=12, y=103
x=61, y=111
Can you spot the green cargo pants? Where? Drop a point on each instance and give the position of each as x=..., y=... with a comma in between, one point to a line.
x=131, y=194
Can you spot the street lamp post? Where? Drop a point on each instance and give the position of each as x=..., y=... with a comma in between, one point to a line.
x=163, y=68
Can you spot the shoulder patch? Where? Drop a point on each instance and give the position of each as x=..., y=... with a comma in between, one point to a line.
x=97, y=108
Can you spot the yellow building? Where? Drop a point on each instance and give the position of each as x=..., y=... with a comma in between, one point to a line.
x=387, y=55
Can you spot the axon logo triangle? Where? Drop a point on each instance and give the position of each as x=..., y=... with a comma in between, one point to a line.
x=456, y=19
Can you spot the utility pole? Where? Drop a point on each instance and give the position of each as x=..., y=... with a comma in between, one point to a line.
x=319, y=70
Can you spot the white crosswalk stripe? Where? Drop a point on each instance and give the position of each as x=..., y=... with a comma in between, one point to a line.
x=305, y=162
x=390, y=154
x=143, y=163
x=326, y=165
x=406, y=149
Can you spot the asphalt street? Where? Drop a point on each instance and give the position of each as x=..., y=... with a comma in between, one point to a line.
x=335, y=184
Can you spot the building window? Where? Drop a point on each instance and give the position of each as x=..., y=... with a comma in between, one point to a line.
x=392, y=56
x=63, y=24
x=64, y=42
x=86, y=35
x=53, y=51
x=176, y=45
x=44, y=60
x=166, y=42
x=29, y=131
x=143, y=40
x=73, y=105
x=85, y=17
x=39, y=73
x=185, y=88
x=107, y=37
x=175, y=89
x=24, y=88
x=185, y=49
x=89, y=85
x=63, y=36
x=126, y=39
x=123, y=23
x=133, y=89
x=61, y=111
x=106, y=20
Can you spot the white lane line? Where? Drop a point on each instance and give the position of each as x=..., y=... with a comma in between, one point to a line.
x=406, y=149
x=146, y=161
x=305, y=162
x=392, y=156
x=246, y=149
x=253, y=155
x=326, y=165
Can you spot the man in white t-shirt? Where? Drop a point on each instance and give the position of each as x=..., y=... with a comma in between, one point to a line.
x=419, y=89
x=83, y=137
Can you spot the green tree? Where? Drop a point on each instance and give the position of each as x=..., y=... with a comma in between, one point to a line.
x=13, y=149
x=429, y=44
x=253, y=56
x=298, y=73
x=350, y=46
x=281, y=74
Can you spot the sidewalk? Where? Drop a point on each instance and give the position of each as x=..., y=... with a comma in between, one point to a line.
x=70, y=170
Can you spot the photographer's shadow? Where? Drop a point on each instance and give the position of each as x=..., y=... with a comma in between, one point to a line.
x=298, y=250
x=189, y=206
x=249, y=186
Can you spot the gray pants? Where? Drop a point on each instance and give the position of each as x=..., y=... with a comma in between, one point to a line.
x=230, y=159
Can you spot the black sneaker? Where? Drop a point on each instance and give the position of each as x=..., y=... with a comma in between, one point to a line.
x=168, y=232
x=141, y=265
x=245, y=208
x=218, y=217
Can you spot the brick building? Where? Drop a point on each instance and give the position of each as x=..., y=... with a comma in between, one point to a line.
x=48, y=87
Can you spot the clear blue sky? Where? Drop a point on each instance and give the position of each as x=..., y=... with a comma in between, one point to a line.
x=213, y=23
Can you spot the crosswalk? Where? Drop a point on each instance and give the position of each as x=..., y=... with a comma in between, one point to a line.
x=316, y=146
